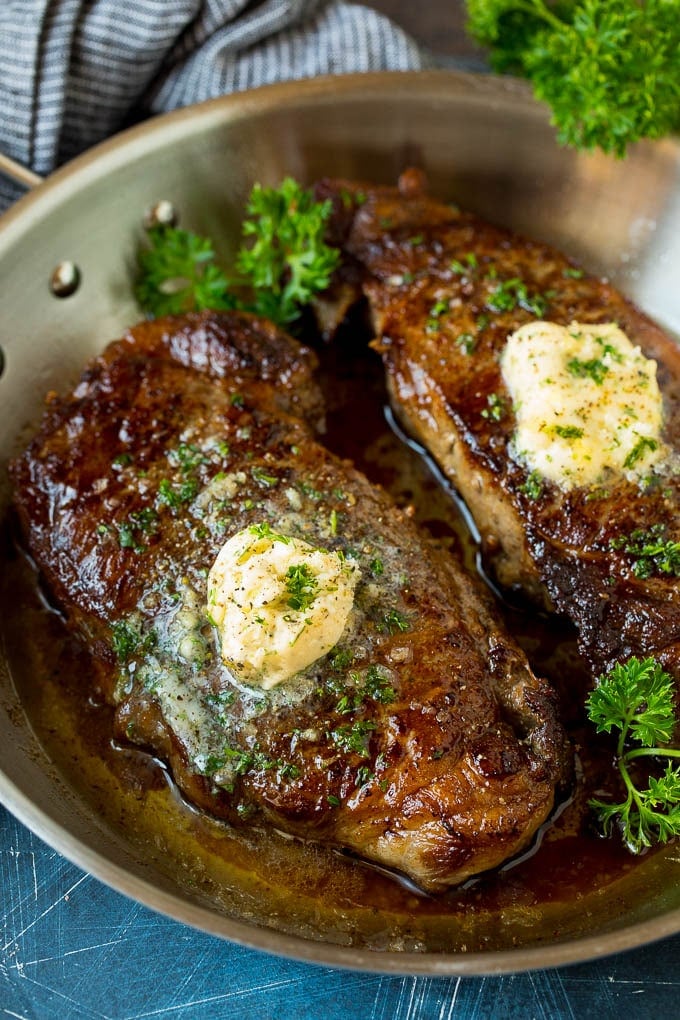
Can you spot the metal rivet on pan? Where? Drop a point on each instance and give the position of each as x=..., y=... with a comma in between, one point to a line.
x=162, y=214
x=65, y=279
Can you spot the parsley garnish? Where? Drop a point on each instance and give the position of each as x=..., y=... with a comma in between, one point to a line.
x=175, y=495
x=533, y=486
x=126, y=639
x=463, y=266
x=644, y=443
x=138, y=523
x=466, y=342
x=637, y=698
x=177, y=273
x=652, y=555
x=253, y=760
x=513, y=293
x=594, y=369
x=378, y=687
x=301, y=585
x=354, y=737
x=264, y=478
x=188, y=457
x=375, y=686
x=288, y=261
x=283, y=260
x=438, y=309
x=342, y=660
x=264, y=530
x=568, y=431
x=394, y=621
x=495, y=408
x=608, y=68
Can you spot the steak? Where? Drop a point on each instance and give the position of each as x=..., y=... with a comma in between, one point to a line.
x=434, y=278
x=420, y=742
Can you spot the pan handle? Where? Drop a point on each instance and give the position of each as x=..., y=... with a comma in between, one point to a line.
x=18, y=173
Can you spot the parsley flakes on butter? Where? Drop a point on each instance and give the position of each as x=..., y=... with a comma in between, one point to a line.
x=278, y=603
x=586, y=403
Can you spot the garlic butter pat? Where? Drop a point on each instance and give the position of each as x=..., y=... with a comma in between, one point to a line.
x=278, y=603
x=586, y=402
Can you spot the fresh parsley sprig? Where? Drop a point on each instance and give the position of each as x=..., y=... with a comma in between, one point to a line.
x=637, y=698
x=288, y=261
x=177, y=273
x=610, y=69
x=282, y=263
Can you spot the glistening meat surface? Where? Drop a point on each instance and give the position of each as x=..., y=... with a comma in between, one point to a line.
x=445, y=290
x=421, y=742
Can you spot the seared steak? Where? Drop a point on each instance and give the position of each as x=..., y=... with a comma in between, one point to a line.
x=421, y=741
x=445, y=291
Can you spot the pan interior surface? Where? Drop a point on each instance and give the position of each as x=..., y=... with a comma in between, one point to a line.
x=484, y=145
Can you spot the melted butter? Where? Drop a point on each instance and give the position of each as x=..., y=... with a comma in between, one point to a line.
x=586, y=401
x=278, y=603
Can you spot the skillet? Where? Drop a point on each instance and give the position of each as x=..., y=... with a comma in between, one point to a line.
x=483, y=143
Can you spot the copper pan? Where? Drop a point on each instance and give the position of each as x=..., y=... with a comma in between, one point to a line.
x=485, y=144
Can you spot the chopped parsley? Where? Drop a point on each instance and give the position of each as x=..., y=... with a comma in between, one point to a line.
x=187, y=457
x=308, y=490
x=651, y=554
x=378, y=687
x=301, y=585
x=263, y=478
x=438, y=309
x=354, y=737
x=138, y=523
x=126, y=639
x=175, y=495
x=495, y=408
x=264, y=530
x=462, y=266
x=514, y=293
x=342, y=660
x=593, y=368
x=568, y=431
x=394, y=621
x=252, y=760
x=533, y=486
x=375, y=687
x=643, y=444
x=466, y=342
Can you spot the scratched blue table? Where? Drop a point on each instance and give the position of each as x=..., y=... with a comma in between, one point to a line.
x=73, y=948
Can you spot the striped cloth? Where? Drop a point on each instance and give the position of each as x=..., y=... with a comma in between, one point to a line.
x=73, y=72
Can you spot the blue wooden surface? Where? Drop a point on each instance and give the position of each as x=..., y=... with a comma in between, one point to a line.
x=73, y=948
